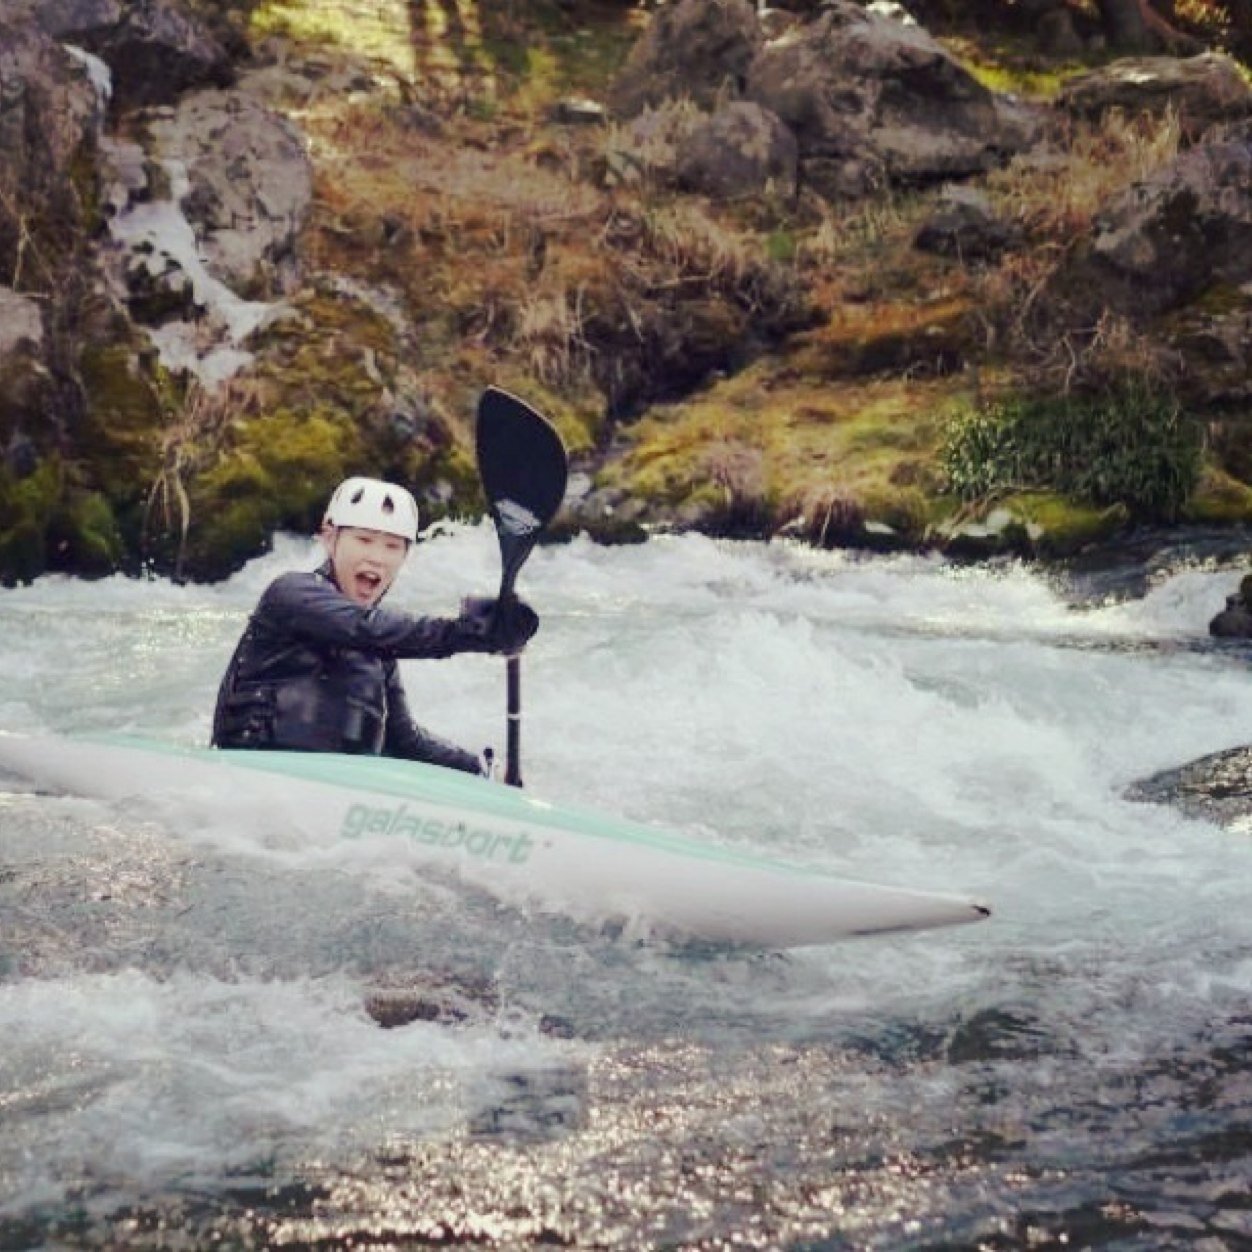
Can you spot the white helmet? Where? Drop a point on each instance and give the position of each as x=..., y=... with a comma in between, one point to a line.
x=371, y=504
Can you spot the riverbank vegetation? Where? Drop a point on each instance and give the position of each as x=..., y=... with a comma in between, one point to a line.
x=559, y=259
x=884, y=368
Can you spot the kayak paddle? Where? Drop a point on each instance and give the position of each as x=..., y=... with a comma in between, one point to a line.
x=523, y=468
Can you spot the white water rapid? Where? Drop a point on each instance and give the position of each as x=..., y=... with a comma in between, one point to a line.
x=183, y=1047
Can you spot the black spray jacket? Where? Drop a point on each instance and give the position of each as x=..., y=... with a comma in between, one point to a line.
x=316, y=672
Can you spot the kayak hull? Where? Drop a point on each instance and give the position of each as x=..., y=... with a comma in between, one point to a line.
x=525, y=852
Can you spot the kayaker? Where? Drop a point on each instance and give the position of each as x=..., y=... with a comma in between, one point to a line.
x=316, y=667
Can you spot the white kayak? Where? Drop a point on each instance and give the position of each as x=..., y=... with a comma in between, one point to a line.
x=594, y=868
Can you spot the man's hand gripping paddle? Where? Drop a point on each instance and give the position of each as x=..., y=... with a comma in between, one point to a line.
x=523, y=468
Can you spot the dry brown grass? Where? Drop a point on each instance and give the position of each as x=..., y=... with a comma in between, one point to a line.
x=1055, y=191
x=190, y=442
x=1053, y=195
x=643, y=151
x=530, y=254
x=551, y=336
x=693, y=246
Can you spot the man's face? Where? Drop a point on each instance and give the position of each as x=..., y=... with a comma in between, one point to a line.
x=365, y=562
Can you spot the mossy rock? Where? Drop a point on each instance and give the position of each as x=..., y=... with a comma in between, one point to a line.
x=1219, y=499
x=1029, y=524
x=84, y=536
x=23, y=553
x=278, y=474
x=330, y=395
x=125, y=414
x=26, y=395
x=47, y=523
x=27, y=505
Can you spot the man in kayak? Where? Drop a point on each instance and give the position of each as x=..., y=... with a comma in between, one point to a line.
x=316, y=667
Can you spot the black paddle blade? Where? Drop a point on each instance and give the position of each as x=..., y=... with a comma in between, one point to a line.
x=523, y=467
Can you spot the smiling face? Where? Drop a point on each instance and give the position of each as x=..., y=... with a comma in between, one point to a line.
x=364, y=562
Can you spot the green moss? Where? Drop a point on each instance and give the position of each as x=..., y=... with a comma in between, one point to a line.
x=905, y=509
x=84, y=536
x=49, y=523
x=786, y=448
x=125, y=415
x=1220, y=499
x=1008, y=66
x=1037, y=524
x=381, y=31
x=781, y=246
x=1060, y=526
x=278, y=474
x=26, y=507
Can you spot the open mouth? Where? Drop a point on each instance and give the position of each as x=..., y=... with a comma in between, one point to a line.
x=366, y=586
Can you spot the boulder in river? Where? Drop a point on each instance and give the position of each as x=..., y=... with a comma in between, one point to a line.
x=1215, y=788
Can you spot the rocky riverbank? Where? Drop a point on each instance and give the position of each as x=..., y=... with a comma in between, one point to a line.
x=781, y=272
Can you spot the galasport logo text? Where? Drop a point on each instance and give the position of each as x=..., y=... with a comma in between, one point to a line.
x=490, y=845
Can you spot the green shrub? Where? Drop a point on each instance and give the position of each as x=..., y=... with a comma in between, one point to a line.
x=1129, y=445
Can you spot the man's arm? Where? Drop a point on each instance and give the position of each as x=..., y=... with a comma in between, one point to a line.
x=310, y=608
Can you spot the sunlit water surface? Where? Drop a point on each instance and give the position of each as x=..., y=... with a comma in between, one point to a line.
x=186, y=1056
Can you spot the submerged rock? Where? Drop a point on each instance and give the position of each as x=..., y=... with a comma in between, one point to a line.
x=1215, y=788
x=450, y=1001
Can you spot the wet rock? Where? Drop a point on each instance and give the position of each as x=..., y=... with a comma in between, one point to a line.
x=447, y=1001
x=1216, y=788
x=1235, y=620
x=206, y=217
x=250, y=183
x=391, y=1007
x=999, y=531
x=579, y=111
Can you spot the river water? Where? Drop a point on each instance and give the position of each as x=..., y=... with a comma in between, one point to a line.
x=186, y=1055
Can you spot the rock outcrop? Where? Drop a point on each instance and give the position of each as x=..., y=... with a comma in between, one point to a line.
x=697, y=50
x=153, y=49
x=125, y=250
x=1201, y=91
x=205, y=225
x=874, y=102
x=869, y=100
x=1178, y=233
x=738, y=151
x=1235, y=620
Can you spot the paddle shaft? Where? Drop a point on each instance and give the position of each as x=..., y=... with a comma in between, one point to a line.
x=514, y=556
x=513, y=761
